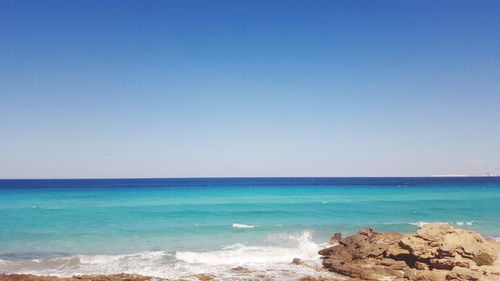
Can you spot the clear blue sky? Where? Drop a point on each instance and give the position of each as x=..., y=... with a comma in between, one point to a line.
x=187, y=88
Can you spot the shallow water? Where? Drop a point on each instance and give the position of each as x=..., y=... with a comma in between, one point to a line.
x=173, y=227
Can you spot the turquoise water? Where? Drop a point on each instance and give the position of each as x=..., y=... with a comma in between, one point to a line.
x=186, y=219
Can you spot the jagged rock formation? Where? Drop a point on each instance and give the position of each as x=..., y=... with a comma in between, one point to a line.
x=437, y=252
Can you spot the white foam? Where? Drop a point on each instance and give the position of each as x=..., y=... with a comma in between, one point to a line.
x=273, y=260
x=460, y=223
x=419, y=223
x=143, y=263
x=239, y=254
x=242, y=225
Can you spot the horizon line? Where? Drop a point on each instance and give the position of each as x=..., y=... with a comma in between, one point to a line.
x=259, y=177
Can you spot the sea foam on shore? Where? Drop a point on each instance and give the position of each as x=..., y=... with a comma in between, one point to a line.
x=273, y=261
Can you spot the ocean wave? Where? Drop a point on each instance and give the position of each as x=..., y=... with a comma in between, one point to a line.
x=242, y=225
x=262, y=260
x=239, y=254
x=419, y=223
x=140, y=263
x=460, y=223
x=492, y=237
x=457, y=223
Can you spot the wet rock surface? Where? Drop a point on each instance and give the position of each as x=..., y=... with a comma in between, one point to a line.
x=436, y=252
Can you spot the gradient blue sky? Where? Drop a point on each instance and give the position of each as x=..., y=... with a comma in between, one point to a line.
x=187, y=88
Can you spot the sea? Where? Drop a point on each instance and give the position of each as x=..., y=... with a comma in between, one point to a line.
x=177, y=228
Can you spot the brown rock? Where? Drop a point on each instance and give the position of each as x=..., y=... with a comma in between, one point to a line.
x=336, y=238
x=351, y=270
x=396, y=251
x=387, y=262
x=311, y=278
x=27, y=277
x=204, y=277
x=421, y=266
x=240, y=269
x=436, y=252
x=399, y=265
x=484, y=259
x=326, y=251
x=447, y=247
x=431, y=275
x=363, y=255
x=463, y=274
x=410, y=274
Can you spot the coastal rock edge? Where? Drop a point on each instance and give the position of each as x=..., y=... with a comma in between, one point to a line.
x=436, y=252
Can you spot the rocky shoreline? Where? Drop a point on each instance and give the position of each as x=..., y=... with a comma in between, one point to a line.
x=436, y=252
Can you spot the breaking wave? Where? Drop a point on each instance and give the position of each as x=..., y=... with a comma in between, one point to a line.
x=460, y=223
x=457, y=223
x=419, y=223
x=242, y=225
x=270, y=260
x=297, y=246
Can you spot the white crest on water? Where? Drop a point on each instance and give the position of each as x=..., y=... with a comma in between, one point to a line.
x=419, y=223
x=294, y=246
x=242, y=225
